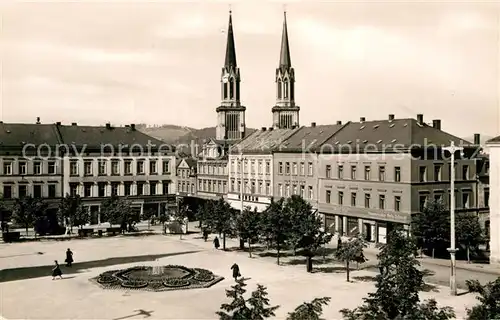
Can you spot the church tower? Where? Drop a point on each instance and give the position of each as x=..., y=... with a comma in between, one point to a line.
x=230, y=114
x=285, y=112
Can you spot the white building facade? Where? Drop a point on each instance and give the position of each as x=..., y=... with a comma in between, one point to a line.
x=493, y=146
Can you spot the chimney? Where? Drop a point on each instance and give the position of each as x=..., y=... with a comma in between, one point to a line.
x=37, y=120
x=264, y=128
x=74, y=124
x=477, y=139
x=420, y=118
x=339, y=122
x=391, y=117
x=108, y=125
x=132, y=126
x=58, y=123
x=436, y=124
x=362, y=119
x=313, y=124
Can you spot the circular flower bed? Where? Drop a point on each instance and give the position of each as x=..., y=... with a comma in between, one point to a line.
x=176, y=282
x=106, y=279
x=134, y=284
x=204, y=277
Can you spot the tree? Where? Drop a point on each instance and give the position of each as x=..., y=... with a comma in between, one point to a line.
x=256, y=307
x=72, y=212
x=309, y=310
x=489, y=298
x=468, y=232
x=119, y=211
x=30, y=212
x=303, y=222
x=351, y=251
x=431, y=228
x=248, y=227
x=5, y=215
x=276, y=224
x=397, y=287
x=221, y=219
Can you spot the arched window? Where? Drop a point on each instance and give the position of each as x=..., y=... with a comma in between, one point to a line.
x=231, y=88
x=224, y=88
x=286, y=90
x=279, y=89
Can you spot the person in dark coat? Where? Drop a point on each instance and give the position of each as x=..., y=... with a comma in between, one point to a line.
x=205, y=235
x=56, y=271
x=69, y=258
x=236, y=271
x=339, y=242
x=216, y=243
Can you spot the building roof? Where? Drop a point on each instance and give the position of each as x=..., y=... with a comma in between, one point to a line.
x=390, y=134
x=230, y=60
x=308, y=138
x=96, y=136
x=191, y=162
x=285, y=61
x=493, y=140
x=263, y=141
x=19, y=134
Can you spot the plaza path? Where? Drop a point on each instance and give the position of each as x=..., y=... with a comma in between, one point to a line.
x=33, y=295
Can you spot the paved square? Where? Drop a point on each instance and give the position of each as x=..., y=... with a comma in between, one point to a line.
x=77, y=298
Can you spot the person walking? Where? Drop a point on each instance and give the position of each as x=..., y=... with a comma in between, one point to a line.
x=205, y=235
x=69, y=258
x=56, y=271
x=216, y=243
x=236, y=271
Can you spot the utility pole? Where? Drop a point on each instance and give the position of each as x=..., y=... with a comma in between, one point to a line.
x=453, y=277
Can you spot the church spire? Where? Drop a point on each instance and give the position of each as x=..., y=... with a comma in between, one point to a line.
x=285, y=61
x=230, y=48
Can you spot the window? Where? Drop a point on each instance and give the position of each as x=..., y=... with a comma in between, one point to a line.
x=245, y=166
x=287, y=190
x=102, y=167
x=7, y=168
x=152, y=187
x=397, y=174
x=303, y=191
x=367, y=172
x=114, y=188
x=437, y=172
x=465, y=199
x=128, y=167
x=260, y=166
x=37, y=167
x=115, y=167
x=367, y=200
x=397, y=203
x=311, y=193
x=438, y=197
x=73, y=168
x=486, y=198
x=268, y=188
x=37, y=191
x=252, y=166
x=287, y=168
x=252, y=188
x=422, y=201
x=140, y=167
x=310, y=169
x=353, y=172
x=152, y=167
x=261, y=187
x=422, y=174
x=328, y=171
x=22, y=168
x=328, y=196
x=353, y=199
x=295, y=189
x=7, y=192
x=166, y=166
x=381, y=201
x=87, y=166
x=302, y=169
x=340, y=172
x=341, y=197
x=101, y=189
x=295, y=168
x=127, y=188
x=280, y=190
x=52, y=167
x=87, y=190
x=381, y=173
x=52, y=190
x=73, y=189
x=465, y=172
x=165, y=187
x=268, y=167
x=22, y=191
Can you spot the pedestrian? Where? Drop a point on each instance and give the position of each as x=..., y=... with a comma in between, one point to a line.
x=205, y=235
x=69, y=258
x=56, y=271
x=339, y=241
x=216, y=243
x=236, y=271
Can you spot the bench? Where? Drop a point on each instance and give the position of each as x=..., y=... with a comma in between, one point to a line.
x=113, y=231
x=85, y=232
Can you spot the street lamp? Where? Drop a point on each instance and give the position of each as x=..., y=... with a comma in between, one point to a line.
x=453, y=281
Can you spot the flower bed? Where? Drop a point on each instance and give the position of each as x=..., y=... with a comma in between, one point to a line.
x=176, y=282
x=134, y=284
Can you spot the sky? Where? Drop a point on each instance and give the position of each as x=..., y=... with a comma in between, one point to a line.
x=159, y=62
